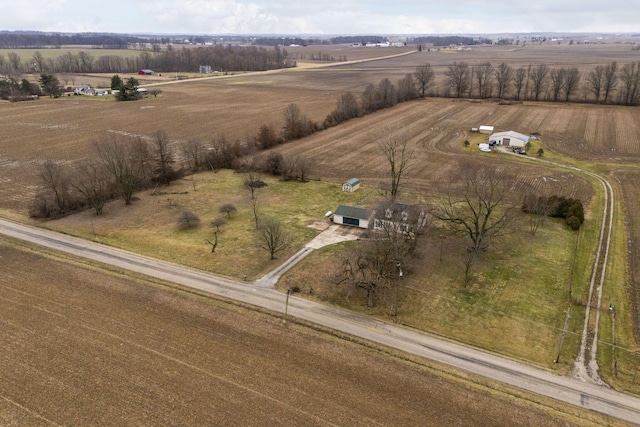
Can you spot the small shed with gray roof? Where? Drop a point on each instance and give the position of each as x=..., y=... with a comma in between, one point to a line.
x=351, y=215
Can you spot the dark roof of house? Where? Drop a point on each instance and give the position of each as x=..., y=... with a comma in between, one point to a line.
x=352, y=212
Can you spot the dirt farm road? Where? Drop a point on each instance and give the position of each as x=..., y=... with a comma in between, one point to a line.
x=570, y=390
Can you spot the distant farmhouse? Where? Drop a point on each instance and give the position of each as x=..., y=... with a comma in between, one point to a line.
x=83, y=89
x=510, y=139
x=145, y=72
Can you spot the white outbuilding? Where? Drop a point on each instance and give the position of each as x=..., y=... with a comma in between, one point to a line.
x=509, y=139
x=351, y=185
x=485, y=129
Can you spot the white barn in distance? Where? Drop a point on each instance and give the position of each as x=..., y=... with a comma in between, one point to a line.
x=510, y=139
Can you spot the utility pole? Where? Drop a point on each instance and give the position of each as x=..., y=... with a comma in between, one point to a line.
x=614, y=361
x=564, y=330
x=286, y=305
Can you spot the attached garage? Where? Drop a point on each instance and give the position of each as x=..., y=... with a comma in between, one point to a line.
x=353, y=216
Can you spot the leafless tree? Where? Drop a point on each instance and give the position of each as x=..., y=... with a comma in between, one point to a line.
x=519, y=82
x=213, y=244
x=252, y=181
x=295, y=123
x=187, y=219
x=369, y=99
x=458, y=78
x=630, y=79
x=480, y=209
x=94, y=182
x=571, y=83
x=195, y=153
x=558, y=79
x=483, y=74
x=539, y=207
x=228, y=209
x=54, y=179
x=164, y=158
x=125, y=161
x=218, y=222
x=266, y=137
x=387, y=94
x=273, y=237
x=407, y=89
x=538, y=78
x=610, y=81
x=399, y=157
x=424, y=75
x=595, y=81
x=15, y=62
x=503, y=76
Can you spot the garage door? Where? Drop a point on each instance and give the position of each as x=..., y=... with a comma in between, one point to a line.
x=351, y=221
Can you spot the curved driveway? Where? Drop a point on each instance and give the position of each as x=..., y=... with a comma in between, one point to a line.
x=565, y=389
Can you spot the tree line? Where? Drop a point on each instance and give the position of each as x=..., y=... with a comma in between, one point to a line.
x=606, y=84
x=185, y=59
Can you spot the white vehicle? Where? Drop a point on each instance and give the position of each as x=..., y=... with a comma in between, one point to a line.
x=484, y=148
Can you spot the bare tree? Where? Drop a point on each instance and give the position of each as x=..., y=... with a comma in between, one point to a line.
x=424, y=75
x=571, y=83
x=266, y=137
x=295, y=123
x=519, y=82
x=218, y=222
x=124, y=159
x=54, y=178
x=479, y=210
x=163, y=157
x=458, y=78
x=407, y=89
x=273, y=237
x=399, y=156
x=228, y=209
x=369, y=99
x=187, y=219
x=610, y=81
x=558, y=78
x=94, y=182
x=538, y=77
x=539, y=207
x=387, y=94
x=503, y=76
x=483, y=74
x=213, y=244
x=595, y=80
x=630, y=79
x=195, y=153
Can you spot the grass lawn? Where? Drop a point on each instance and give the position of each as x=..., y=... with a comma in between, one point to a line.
x=149, y=225
x=514, y=306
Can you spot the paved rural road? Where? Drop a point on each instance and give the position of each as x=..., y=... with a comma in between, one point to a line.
x=565, y=389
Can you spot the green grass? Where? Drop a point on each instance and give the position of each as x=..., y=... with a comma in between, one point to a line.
x=148, y=226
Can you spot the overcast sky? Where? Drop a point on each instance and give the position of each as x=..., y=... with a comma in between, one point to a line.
x=321, y=16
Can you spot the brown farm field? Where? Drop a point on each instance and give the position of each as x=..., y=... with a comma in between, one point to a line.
x=601, y=138
x=81, y=347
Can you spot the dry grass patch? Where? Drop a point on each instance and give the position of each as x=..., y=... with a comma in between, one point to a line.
x=149, y=225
